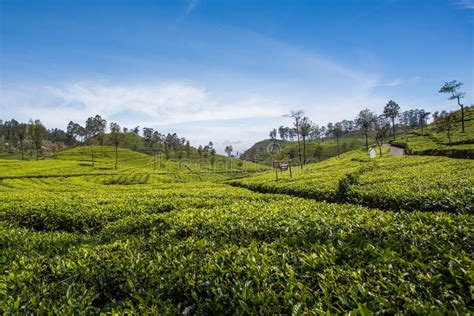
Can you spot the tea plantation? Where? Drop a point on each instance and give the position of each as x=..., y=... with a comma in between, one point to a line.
x=163, y=238
x=409, y=183
x=433, y=142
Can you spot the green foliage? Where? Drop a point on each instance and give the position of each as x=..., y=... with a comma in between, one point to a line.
x=435, y=142
x=79, y=240
x=390, y=182
x=78, y=162
x=217, y=249
x=316, y=150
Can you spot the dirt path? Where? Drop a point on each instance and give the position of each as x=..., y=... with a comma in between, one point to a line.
x=395, y=151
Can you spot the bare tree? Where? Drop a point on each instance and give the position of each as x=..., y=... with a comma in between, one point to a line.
x=452, y=87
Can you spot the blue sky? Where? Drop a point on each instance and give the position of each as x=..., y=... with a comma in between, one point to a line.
x=227, y=71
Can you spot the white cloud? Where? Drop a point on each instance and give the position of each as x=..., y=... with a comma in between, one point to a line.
x=190, y=6
x=161, y=104
x=241, y=106
x=466, y=4
x=172, y=106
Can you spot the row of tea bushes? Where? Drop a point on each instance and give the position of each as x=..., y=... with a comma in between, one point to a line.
x=203, y=248
x=391, y=182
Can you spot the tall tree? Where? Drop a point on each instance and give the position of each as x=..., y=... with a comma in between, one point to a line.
x=57, y=136
x=405, y=119
x=296, y=116
x=329, y=130
x=37, y=132
x=76, y=131
x=115, y=136
x=381, y=128
x=229, y=149
x=423, y=118
x=322, y=132
x=291, y=133
x=337, y=131
x=392, y=111
x=273, y=134
x=11, y=133
x=315, y=132
x=305, y=130
x=148, y=137
x=95, y=126
x=445, y=123
x=187, y=148
x=212, y=150
x=365, y=121
x=94, y=130
x=157, y=140
x=347, y=126
x=70, y=134
x=282, y=131
x=22, y=134
x=452, y=87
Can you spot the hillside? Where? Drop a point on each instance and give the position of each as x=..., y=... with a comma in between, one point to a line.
x=99, y=162
x=431, y=141
x=388, y=182
x=78, y=237
x=316, y=150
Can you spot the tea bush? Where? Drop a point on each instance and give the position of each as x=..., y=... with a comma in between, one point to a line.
x=391, y=182
x=433, y=142
x=204, y=248
x=113, y=243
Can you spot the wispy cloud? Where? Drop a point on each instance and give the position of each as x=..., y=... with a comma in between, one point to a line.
x=236, y=104
x=190, y=6
x=190, y=110
x=466, y=4
x=156, y=104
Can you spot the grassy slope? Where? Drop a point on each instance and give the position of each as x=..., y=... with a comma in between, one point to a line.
x=78, y=161
x=433, y=142
x=390, y=182
x=329, y=148
x=70, y=245
x=428, y=142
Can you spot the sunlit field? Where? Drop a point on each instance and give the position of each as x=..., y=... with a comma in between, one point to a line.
x=214, y=157
x=78, y=237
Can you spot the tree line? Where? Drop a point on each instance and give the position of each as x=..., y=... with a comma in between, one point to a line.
x=33, y=136
x=368, y=123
